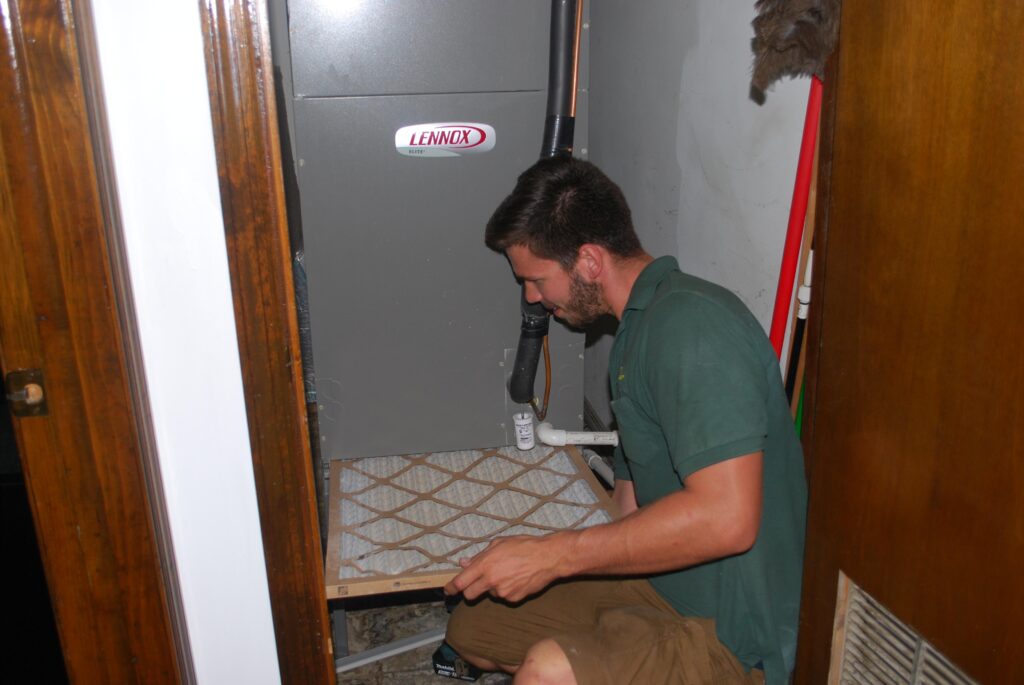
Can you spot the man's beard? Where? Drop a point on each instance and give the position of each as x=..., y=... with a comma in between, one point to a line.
x=585, y=302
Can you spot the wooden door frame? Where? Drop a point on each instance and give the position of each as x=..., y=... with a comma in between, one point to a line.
x=88, y=470
x=241, y=80
x=65, y=308
x=826, y=146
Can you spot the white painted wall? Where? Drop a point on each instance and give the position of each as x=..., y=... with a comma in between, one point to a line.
x=154, y=77
x=708, y=173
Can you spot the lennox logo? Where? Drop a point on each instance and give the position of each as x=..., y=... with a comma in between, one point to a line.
x=448, y=139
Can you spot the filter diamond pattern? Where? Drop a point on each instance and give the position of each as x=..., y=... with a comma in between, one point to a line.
x=427, y=513
x=473, y=526
x=578, y=493
x=404, y=522
x=435, y=542
x=355, y=514
x=463, y=492
x=357, y=546
x=384, y=498
x=454, y=461
x=562, y=515
x=524, y=530
x=381, y=467
x=421, y=479
x=354, y=481
x=539, y=482
x=386, y=530
x=560, y=463
x=383, y=560
x=509, y=505
x=597, y=518
x=494, y=470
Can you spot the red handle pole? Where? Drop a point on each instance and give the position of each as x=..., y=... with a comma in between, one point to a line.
x=797, y=215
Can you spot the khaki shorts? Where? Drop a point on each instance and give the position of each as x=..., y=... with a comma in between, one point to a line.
x=612, y=631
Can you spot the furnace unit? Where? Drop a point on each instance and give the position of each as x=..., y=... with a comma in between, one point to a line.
x=408, y=122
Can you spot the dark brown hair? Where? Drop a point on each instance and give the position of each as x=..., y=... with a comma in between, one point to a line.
x=558, y=205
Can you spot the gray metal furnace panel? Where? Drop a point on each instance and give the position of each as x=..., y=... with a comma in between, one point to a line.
x=414, y=320
x=364, y=47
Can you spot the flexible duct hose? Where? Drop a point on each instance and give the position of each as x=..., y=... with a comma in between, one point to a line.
x=531, y=343
x=559, y=129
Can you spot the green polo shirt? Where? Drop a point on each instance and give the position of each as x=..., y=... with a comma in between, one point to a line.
x=695, y=382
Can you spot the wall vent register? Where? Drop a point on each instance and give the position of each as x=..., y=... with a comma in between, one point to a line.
x=872, y=646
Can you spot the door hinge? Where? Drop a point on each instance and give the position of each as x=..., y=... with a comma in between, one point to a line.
x=26, y=393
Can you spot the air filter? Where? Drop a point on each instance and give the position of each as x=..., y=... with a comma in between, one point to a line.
x=403, y=522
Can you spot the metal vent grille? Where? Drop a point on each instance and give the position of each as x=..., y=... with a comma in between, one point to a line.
x=876, y=648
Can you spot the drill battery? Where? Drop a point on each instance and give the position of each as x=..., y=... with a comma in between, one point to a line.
x=449, y=664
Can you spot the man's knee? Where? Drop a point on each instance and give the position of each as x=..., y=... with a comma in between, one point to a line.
x=460, y=631
x=545, y=664
x=463, y=635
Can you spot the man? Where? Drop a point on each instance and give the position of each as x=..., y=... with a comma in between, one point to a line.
x=699, y=581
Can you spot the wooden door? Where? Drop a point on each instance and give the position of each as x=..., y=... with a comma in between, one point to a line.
x=915, y=437
x=82, y=460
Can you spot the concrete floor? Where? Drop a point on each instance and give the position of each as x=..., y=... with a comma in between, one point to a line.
x=378, y=621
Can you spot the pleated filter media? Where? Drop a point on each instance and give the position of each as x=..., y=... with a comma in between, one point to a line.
x=403, y=522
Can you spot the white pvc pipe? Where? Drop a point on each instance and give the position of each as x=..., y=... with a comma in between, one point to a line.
x=558, y=438
x=804, y=293
x=599, y=466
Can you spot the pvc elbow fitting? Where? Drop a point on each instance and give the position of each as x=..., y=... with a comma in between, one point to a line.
x=559, y=438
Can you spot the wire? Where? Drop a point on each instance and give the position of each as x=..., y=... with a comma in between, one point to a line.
x=542, y=412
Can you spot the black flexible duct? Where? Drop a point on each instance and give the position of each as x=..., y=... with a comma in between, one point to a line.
x=531, y=342
x=559, y=129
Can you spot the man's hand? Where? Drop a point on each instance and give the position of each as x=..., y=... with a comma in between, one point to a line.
x=514, y=568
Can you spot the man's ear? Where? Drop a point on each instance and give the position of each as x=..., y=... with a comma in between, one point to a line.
x=591, y=261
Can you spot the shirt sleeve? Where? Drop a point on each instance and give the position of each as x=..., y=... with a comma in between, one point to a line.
x=707, y=382
x=619, y=465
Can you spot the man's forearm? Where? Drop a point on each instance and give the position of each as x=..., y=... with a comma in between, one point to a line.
x=716, y=515
x=683, y=529
x=649, y=540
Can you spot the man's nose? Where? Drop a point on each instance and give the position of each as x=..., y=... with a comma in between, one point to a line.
x=531, y=293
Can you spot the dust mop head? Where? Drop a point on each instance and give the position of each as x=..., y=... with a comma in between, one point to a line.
x=792, y=38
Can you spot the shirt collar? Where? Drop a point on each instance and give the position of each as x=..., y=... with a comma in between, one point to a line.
x=647, y=282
